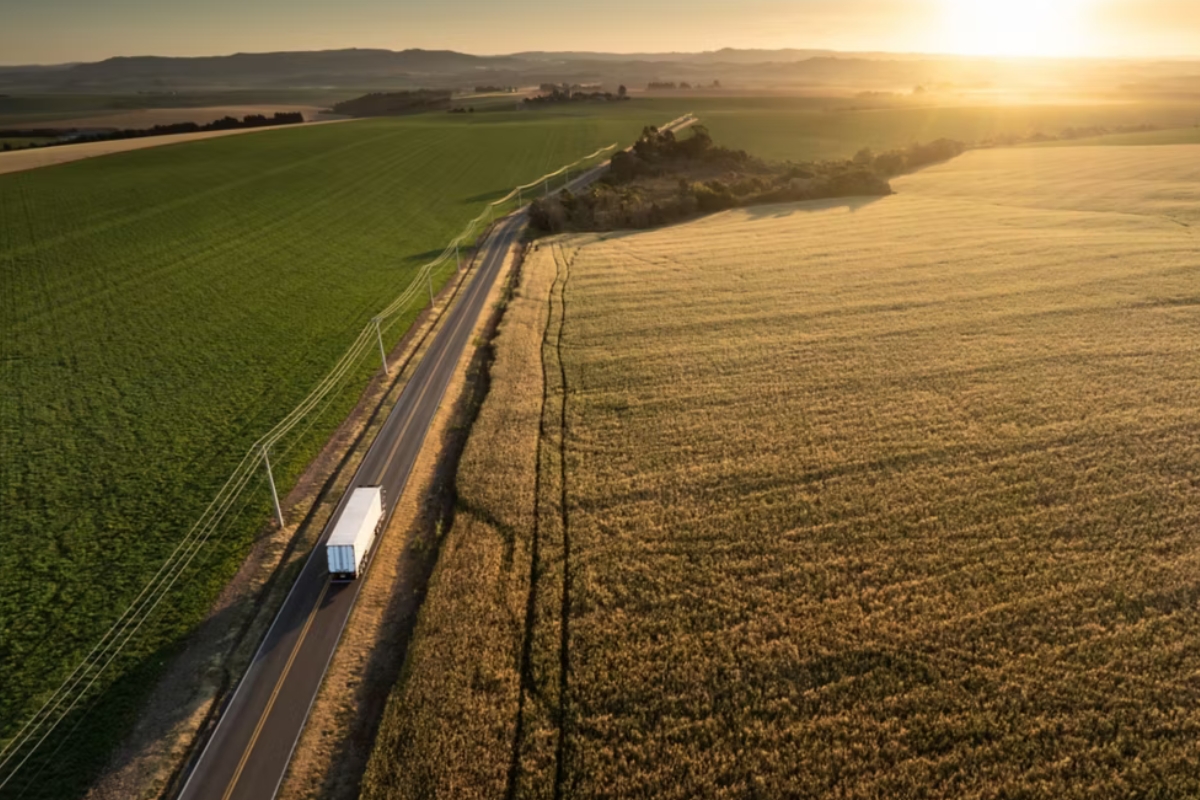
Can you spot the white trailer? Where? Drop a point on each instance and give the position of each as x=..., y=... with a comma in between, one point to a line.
x=354, y=533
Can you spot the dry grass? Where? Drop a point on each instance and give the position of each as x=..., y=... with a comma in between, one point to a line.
x=23, y=160
x=332, y=752
x=881, y=499
x=149, y=117
x=448, y=730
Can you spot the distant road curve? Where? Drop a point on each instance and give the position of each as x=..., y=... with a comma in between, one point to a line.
x=22, y=160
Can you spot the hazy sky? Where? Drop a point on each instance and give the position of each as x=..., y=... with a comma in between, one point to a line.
x=46, y=31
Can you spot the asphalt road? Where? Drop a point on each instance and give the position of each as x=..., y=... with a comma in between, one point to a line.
x=248, y=753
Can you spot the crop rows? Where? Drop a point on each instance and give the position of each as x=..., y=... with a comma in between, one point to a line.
x=866, y=499
x=164, y=309
x=810, y=128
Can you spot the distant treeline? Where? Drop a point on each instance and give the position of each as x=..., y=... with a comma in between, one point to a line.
x=906, y=159
x=73, y=136
x=566, y=94
x=668, y=85
x=494, y=89
x=1066, y=134
x=384, y=104
x=664, y=180
x=34, y=133
x=570, y=88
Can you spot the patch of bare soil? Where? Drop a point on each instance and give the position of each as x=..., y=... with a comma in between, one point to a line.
x=149, y=117
x=22, y=160
x=333, y=751
x=181, y=709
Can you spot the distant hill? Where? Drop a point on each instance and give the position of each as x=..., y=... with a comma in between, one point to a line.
x=389, y=71
x=725, y=56
x=405, y=69
x=287, y=69
x=383, y=104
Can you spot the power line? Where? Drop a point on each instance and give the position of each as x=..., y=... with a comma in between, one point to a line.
x=66, y=697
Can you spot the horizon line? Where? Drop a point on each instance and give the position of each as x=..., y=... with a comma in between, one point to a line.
x=632, y=54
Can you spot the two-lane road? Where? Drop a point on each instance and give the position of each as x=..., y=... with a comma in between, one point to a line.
x=249, y=751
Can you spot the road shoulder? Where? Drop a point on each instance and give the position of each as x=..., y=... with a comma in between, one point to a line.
x=332, y=753
x=181, y=708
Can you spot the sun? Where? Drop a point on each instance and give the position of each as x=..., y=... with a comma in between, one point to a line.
x=1014, y=27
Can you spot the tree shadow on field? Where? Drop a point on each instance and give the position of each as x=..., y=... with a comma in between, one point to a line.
x=428, y=255
x=779, y=210
x=496, y=194
x=769, y=211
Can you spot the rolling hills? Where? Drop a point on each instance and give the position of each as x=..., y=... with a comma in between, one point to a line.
x=796, y=71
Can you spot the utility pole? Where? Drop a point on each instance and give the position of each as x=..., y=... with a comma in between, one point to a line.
x=382, y=352
x=274, y=494
x=457, y=260
x=430, y=276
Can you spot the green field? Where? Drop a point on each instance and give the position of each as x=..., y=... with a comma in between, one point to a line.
x=803, y=129
x=164, y=308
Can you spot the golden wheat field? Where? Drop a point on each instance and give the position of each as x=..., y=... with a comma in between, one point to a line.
x=873, y=499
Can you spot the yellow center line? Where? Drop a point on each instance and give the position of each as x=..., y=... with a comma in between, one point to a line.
x=275, y=694
x=324, y=589
x=403, y=430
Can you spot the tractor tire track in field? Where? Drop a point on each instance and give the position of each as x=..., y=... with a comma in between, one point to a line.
x=565, y=622
x=552, y=341
x=528, y=683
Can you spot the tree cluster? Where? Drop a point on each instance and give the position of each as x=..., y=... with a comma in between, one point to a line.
x=73, y=136
x=567, y=94
x=385, y=104
x=1066, y=134
x=569, y=88
x=664, y=179
x=906, y=159
x=670, y=85
x=34, y=133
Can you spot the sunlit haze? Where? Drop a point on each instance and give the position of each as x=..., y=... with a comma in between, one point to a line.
x=1015, y=27
x=52, y=31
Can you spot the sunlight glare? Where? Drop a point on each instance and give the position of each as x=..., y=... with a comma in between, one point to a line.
x=1014, y=27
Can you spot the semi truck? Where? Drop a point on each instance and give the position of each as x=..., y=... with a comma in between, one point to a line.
x=354, y=533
